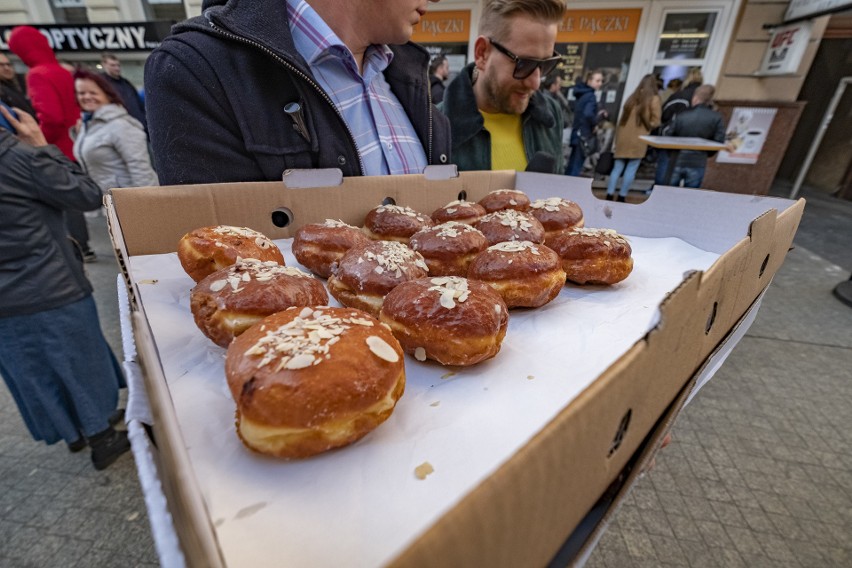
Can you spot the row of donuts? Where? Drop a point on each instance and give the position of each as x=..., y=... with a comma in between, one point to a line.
x=281, y=366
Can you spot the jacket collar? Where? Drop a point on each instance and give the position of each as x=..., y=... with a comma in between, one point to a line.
x=460, y=105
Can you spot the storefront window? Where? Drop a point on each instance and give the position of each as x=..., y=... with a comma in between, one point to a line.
x=170, y=10
x=684, y=43
x=445, y=32
x=69, y=11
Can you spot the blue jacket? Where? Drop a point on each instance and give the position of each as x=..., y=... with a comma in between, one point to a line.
x=216, y=91
x=541, y=126
x=585, y=112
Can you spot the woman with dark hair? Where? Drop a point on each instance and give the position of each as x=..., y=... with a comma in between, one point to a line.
x=111, y=145
x=586, y=118
x=641, y=114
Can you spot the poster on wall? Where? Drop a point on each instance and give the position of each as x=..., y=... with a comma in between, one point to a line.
x=746, y=133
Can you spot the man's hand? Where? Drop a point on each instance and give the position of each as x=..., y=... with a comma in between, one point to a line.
x=26, y=127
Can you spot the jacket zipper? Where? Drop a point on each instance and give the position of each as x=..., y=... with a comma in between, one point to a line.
x=297, y=72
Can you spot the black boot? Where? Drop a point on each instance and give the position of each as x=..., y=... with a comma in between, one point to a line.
x=77, y=445
x=609, y=197
x=107, y=446
x=621, y=199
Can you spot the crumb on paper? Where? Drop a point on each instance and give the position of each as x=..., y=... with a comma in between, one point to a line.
x=436, y=403
x=148, y=281
x=423, y=470
x=530, y=377
x=133, y=516
x=448, y=375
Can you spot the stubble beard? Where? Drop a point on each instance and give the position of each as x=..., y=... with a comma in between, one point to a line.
x=502, y=100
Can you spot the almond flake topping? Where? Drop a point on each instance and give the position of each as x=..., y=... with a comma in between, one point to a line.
x=336, y=224
x=451, y=288
x=408, y=211
x=304, y=341
x=607, y=233
x=551, y=204
x=382, y=349
x=393, y=257
x=246, y=269
x=516, y=246
x=510, y=218
x=420, y=354
x=259, y=239
x=515, y=191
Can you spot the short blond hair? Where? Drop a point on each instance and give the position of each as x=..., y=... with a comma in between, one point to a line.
x=497, y=13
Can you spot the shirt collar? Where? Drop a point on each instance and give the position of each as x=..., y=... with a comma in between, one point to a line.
x=315, y=40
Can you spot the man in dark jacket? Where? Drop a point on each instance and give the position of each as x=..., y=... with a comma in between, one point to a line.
x=699, y=121
x=11, y=92
x=500, y=119
x=678, y=102
x=128, y=93
x=234, y=94
x=586, y=118
x=439, y=71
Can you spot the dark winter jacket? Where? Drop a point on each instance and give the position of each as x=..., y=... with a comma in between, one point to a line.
x=38, y=268
x=51, y=88
x=14, y=97
x=216, y=90
x=678, y=102
x=541, y=126
x=129, y=96
x=700, y=121
x=436, y=84
x=585, y=112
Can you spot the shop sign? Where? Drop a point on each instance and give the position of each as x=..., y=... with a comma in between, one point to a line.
x=599, y=26
x=786, y=48
x=70, y=38
x=450, y=26
x=804, y=8
x=746, y=134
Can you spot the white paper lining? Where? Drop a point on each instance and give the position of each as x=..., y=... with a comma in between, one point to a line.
x=362, y=505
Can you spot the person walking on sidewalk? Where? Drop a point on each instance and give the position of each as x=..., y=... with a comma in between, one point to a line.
x=111, y=145
x=641, y=114
x=126, y=91
x=700, y=121
x=53, y=356
x=586, y=118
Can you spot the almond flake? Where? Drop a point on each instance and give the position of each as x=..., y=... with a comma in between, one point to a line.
x=300, y=361
x=423, y=470
x=420, y=354
x=382, y=349
x=218, y=285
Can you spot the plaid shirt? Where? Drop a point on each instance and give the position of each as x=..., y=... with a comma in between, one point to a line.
x=383, y=133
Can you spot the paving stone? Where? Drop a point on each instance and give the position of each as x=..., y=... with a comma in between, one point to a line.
x=638, y=544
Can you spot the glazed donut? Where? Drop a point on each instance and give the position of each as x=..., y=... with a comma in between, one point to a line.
x=510, y=225
x=319, y=245
x=448, y=248
x=451, y=320
x=307, y=380
x=466, y=212
x=204, y=251
x=555, y=215
x=366, y=273
x=593, y=256
x=229, y=301
x=394, y=223
x=525, y=274
x=501, y=199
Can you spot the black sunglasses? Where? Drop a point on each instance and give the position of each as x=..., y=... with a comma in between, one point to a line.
x=524, y=66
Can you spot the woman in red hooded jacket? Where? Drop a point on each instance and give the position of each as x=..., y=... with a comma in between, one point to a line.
x=51, y=91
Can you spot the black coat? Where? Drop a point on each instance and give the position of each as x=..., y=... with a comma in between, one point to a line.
x=38, y=267
x=14, y=97
x=216, y=90
x=700, y=121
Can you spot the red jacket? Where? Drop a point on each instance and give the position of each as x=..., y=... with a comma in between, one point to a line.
x=50, y=87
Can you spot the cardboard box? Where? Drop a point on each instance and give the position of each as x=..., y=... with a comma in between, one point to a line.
x=522, y=513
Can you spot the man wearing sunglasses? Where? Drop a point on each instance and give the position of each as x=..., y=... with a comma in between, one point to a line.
x=500, y=120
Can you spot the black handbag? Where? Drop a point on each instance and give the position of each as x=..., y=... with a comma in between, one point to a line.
x=606, y=161
x=589, y=146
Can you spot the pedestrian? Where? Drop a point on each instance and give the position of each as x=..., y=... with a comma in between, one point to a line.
x=111, y=145
x=552, y=87
x=586, y=118
x=53, y=356
x=439, y=72
x=500, y=118
x=11, y=92
x=700, y=121
x=51, y=90
x=125, y=89
x=249, y=90
x=640, y=115
x=678, y=102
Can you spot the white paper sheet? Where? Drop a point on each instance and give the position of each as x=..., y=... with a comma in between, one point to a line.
x=362, y=505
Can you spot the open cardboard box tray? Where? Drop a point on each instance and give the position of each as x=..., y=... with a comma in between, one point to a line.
x=523, y=511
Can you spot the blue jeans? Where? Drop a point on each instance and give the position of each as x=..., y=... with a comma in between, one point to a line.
x=576, y=161
x=692, y=177
x=628, y=167
x=662, y=166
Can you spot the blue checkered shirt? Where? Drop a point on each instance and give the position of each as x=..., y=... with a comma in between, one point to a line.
x=382, y=131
